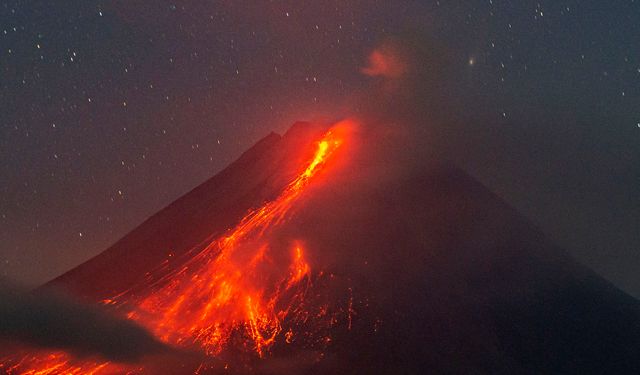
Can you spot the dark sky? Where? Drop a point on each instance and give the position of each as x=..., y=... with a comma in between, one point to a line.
x=110, y=110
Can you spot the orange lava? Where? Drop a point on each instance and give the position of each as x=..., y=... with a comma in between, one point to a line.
x=233, y=290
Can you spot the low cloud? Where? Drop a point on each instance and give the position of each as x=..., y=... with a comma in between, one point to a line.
x=52, y=320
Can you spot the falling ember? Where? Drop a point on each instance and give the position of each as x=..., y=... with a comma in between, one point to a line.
x=230, y=290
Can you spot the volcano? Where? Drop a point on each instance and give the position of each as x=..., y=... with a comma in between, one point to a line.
x=333, y=249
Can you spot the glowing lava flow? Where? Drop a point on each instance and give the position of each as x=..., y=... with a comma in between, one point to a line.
x=231, y=291
x=231, y=283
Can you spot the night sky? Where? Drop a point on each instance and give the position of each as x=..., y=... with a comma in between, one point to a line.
x=110, y=110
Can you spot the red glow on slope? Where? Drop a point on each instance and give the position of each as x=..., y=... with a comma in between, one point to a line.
x=231, y=291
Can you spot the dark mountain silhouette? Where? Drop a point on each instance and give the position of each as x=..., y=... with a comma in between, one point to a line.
x=444, y=276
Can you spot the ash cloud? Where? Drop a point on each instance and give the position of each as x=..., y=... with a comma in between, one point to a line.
x=411, y=73
x=52, y=320
x=386, y=61
x=411, y=96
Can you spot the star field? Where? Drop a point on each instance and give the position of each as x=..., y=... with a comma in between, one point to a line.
x=110, y=110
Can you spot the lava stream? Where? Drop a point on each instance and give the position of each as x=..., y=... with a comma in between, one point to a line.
x=231, y=289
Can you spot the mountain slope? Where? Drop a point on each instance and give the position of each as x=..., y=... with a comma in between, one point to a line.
x=464, y=284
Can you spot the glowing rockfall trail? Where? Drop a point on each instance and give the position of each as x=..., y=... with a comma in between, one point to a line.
x=230, y=291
